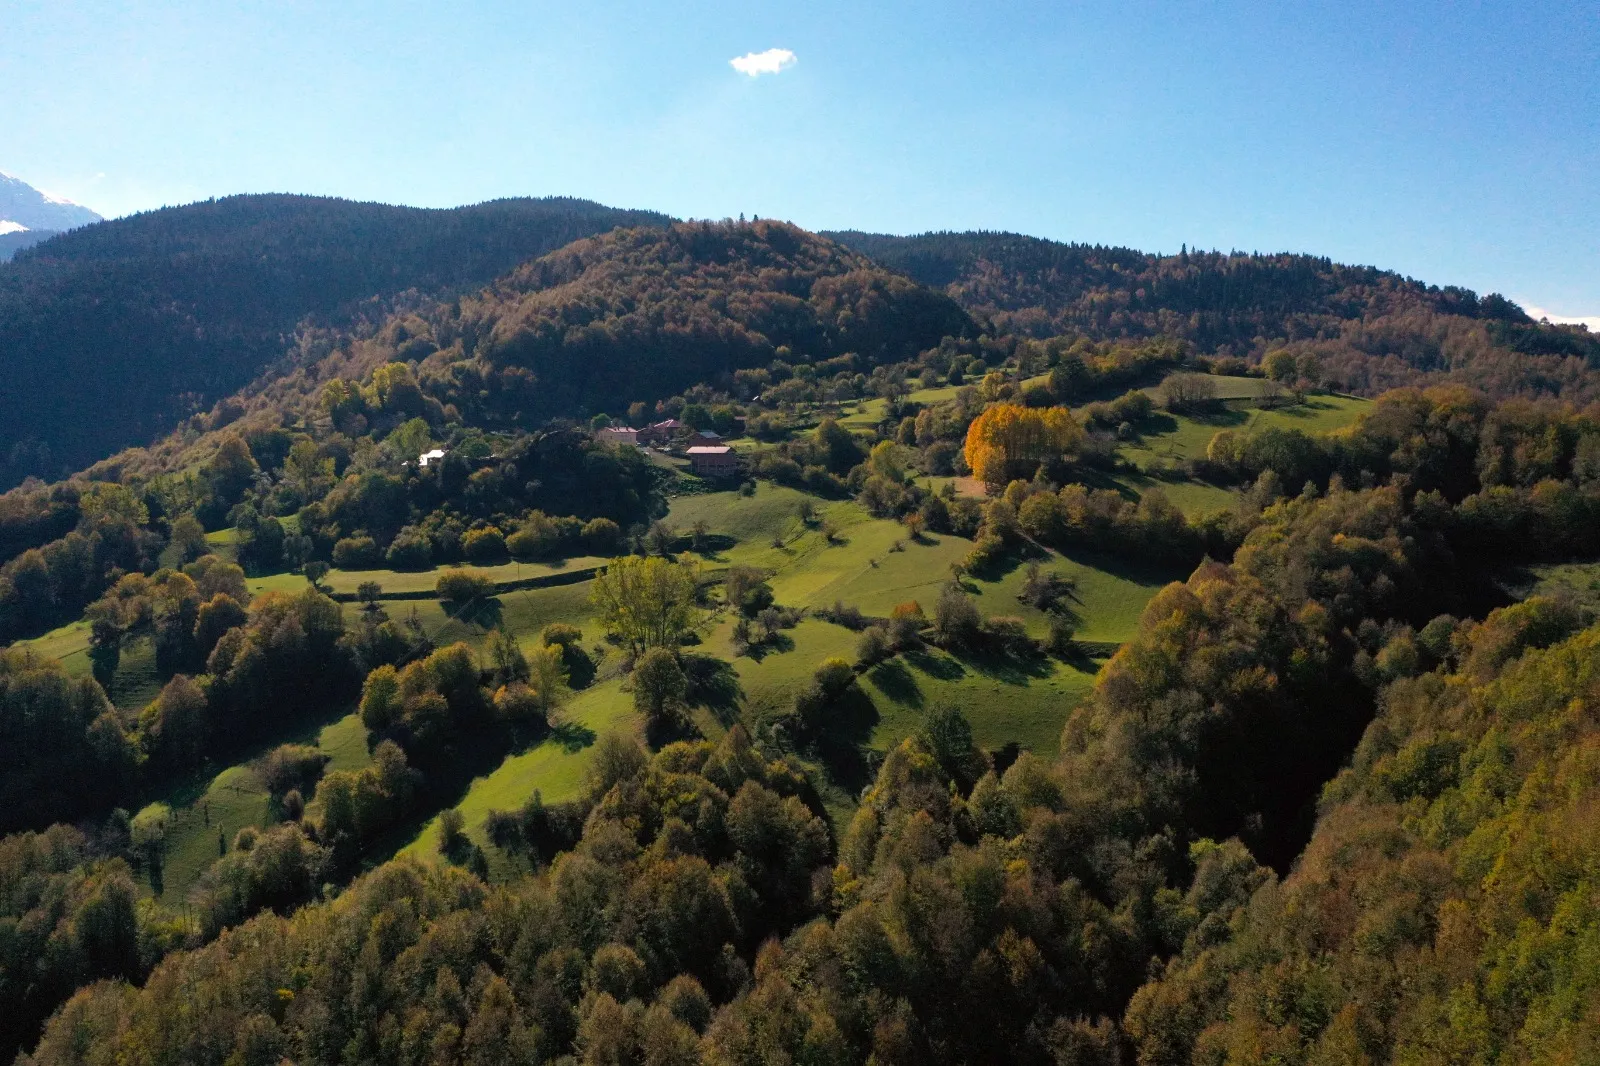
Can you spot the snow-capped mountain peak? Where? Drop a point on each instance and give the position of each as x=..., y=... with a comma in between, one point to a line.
x=27, y=208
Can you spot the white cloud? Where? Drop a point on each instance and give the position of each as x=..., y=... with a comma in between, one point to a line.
x=1592, y=321
x=771, y=61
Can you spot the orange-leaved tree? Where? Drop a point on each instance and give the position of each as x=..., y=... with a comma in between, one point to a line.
x=1009, y=441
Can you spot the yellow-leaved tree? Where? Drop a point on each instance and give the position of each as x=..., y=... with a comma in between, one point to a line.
x=649, y=602
x=1008, y=441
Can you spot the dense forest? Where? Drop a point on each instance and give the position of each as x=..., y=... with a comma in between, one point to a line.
x=1369, y=329
x=566, y=751
x=14, y=242
x=114, y=332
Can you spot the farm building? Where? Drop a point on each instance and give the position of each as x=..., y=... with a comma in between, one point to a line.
x=713, y=460
x=618, y=435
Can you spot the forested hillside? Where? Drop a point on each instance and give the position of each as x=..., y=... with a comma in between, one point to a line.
x=1060, y=700
x=631, y=316
x=112, y=333
x=13, y=242
x=1367, y=329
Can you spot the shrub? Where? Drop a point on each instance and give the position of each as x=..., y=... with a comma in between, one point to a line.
x=747, y=590
x=538, y=537
x=356, y=553
x=1043, y=589
x=409, y=551
x=457, y=587
x=1008, y=634
x=1038, y=396
x=292, y=766
x=956, y=621
x=602, y=536
x=831, y=681
x=484, y=545
x=563, y=633
x=843, y=614
x=834, y=676
x=1062, y=633
x=519, y=704
x=985, y=551
x=874, y=646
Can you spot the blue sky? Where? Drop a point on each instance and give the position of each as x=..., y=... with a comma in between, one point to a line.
x=1459, y=143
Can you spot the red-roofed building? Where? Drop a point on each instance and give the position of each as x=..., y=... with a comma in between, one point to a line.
x=661, y=432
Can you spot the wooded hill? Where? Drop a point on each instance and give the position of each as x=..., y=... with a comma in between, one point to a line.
x=113, y=333
x=632, y=315
x=860, y=759
x=1369, y=329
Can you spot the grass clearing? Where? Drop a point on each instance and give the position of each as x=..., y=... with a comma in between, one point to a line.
x=68, y=645
x=554, y=768
x=202, y=808
x=1175, y=438
x=1578, y=582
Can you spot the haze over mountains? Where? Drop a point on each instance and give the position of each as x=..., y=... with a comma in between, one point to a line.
x=28, y=216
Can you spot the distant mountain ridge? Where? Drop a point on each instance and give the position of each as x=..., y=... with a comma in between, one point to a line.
x=1367, y=329
x=111, y=334
x=23, y=204
x=28, y=216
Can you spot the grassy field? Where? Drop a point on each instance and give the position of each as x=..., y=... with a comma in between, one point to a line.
x=69, y=645
x=1194, y=498
x=1179, y=437
x=870, y=564
x=867, y=563
x=554, y=768
x=207, y=811
x=394, y=581
x=412, y=582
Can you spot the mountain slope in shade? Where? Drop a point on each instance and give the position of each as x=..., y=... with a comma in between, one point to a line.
x=23, y=204
x=111, y=334
x=13, y=241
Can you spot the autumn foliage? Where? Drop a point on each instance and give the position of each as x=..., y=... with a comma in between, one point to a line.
x=1009, y=441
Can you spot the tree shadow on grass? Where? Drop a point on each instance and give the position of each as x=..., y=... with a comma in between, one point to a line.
x=1004, y=756
x=580, y=667
x=776, y=644
x=896, y=682
x=1079, y=658
x=714, y=545
x=936, y=664
x=841, y=747
x=572, y=736
x=1006, y=667
x=1220, y=414
x=714, y=685
x=660, y=732
x=1001, y=566
x=1147, y=572
x=446, y=777
x=484, y=611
